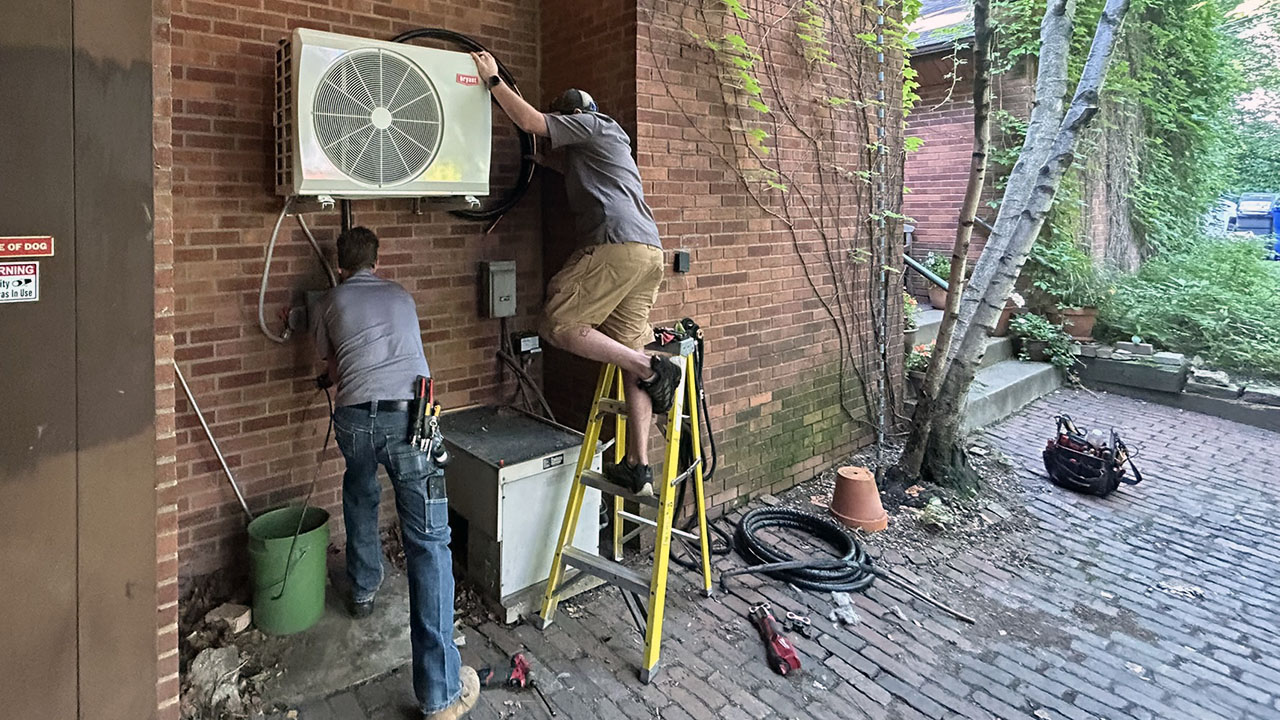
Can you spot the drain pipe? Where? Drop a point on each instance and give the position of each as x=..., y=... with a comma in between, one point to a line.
x=209, y=434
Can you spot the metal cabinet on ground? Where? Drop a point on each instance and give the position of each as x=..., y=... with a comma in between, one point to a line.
x=508, y=482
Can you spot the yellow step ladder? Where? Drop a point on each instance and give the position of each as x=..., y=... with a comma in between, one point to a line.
x=631, y=582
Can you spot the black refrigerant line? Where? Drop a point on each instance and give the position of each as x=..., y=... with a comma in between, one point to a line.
x=528, y=143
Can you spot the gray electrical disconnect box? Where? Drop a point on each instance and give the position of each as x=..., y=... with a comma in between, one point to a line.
x=498, y=288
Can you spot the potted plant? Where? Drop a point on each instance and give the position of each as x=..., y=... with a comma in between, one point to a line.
x=939, y=265
x=1041, y=341
x=910, y=320
x=1011, y=306
x=1073, y=285
x=917, y=363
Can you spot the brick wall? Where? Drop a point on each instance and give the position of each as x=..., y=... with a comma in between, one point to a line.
x=772, y=369
x=937, y=173
x=257, y=395
x=759, y=284
x=166, y=478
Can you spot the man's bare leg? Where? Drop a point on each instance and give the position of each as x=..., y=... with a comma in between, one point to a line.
x=585, y=341
x=639, y=415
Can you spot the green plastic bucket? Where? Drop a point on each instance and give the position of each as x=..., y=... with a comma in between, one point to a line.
x=301, y=603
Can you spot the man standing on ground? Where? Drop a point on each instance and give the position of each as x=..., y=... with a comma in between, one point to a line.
x=367, y=331
x=598, y=305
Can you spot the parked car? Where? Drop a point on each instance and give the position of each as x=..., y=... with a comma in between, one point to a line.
x=1255, y=213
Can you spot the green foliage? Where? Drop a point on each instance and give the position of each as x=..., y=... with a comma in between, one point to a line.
x=910, y=312
x=1030, y=327
x=1256, y=156
x=1184, y=83
x=1063, y=275
x=1217, y=298
x=937, y=264
x=1177, y=70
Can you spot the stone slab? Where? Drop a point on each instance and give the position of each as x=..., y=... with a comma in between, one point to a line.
x=1217, y=391
x=1262, y=396
x=1135, y=373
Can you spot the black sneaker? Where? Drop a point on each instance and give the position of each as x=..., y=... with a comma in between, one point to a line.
x=636, y=478
x=662, y=388
x=360, y=610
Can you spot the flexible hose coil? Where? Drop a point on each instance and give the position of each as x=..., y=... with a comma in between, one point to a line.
x=849, y=571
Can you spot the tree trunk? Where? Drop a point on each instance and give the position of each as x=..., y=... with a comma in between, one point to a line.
x=945, y=459
x=921, y=421
x=1046, y=115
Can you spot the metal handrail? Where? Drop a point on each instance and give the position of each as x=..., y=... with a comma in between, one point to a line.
x=915, y=265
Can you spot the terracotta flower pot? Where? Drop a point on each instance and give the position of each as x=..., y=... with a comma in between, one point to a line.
x=856, y=501
x=1002, y=325
x=1078, y=322
x=937, y=297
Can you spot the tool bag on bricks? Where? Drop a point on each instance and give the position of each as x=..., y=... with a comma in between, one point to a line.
x=1088, y=461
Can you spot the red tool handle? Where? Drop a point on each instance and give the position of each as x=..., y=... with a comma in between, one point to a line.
x=781, y=653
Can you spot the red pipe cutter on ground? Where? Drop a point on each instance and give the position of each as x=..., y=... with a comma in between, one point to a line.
x=782, y=655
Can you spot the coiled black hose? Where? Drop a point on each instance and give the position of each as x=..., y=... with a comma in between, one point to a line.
x=528, y=144
x=848, y=571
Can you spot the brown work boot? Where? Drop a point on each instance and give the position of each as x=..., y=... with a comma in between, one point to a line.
x=464, y=703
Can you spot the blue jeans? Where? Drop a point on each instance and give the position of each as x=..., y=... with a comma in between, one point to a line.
x=368, y=438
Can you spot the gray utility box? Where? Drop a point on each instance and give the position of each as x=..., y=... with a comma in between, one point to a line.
x=509, y=480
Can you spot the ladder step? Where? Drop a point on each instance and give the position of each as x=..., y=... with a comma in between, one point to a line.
x=615, y=573
x=591, y=478
x=654, y=523
x=609, y=406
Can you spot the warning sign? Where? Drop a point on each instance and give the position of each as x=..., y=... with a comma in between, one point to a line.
x=19, y=282
x=24, y=246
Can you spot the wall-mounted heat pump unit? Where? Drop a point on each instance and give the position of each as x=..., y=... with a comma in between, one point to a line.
x=365, y=118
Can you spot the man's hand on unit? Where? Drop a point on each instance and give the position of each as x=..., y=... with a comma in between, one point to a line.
x=486, y=66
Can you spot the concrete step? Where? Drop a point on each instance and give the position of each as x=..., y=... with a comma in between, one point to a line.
x=927, y=322
x=998, y=350
x=1005, y=388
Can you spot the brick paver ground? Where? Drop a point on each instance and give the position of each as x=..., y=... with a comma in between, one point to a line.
x=1157, y=602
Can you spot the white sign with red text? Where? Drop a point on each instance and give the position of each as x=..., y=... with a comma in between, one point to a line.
x=19, y=282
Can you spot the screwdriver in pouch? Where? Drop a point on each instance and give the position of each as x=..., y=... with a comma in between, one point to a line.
x=418, y=410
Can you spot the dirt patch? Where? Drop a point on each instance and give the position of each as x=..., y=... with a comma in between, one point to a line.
x=929, y=524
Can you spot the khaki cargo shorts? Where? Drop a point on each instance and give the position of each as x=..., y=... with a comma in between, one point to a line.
x=610, y=287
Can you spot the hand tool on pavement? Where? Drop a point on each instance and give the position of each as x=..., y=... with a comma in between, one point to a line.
x=782, y=655
x=519, y=677
x=799, y=624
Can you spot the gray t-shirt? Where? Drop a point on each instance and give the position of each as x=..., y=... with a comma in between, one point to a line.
x=602, y=180
x=370, y=327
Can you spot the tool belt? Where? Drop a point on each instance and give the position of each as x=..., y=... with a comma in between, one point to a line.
x=1088, y=461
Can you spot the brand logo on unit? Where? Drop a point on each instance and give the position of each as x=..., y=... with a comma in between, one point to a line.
x=468, y=79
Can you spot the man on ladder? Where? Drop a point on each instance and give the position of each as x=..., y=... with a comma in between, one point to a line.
x=598, y=305
x=598, y=308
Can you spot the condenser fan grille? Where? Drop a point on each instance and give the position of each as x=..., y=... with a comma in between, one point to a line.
x=378, y=117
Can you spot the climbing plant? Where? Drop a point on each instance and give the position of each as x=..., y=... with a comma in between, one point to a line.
x=1180, y=77
x=814, y=98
